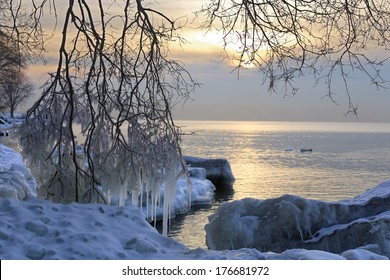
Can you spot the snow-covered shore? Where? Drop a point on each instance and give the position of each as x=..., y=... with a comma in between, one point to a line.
x=31, y=228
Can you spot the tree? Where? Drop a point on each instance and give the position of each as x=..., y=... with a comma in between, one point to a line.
x=15, y=88
x=21, y=31
x=291, y=38
x=8, y=56
x=21, y=41
x=114, y=83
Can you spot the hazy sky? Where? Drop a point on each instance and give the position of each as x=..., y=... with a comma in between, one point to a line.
x=225, y=96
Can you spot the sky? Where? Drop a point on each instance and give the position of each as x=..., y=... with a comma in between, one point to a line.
x=225, y=95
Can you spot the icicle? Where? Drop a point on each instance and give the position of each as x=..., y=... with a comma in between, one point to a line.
x=122, y=195
x=169, y=191
x=135, y=198
x=141, y=188
x=298, y=225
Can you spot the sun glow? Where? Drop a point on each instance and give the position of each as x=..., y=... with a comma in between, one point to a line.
x=209, y=44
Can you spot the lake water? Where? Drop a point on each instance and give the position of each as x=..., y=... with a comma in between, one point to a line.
x=346, y=159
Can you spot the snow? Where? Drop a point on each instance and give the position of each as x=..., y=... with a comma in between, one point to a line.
x=32, y=228
x=362, y=254
x=39, y=229
x=15, y=180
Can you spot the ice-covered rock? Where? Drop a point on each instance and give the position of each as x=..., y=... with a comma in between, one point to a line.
x=291, y=222
x=217, y=170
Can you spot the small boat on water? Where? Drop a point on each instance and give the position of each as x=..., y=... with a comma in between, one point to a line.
x=300, y=150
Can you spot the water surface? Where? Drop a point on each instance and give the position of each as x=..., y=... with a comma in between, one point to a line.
x=346, y=159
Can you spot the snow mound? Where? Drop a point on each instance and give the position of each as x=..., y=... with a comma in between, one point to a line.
x=15, y=179
x=289, y=222
x=39, y=229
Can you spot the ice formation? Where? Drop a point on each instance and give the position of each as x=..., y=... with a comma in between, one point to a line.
x=201, y=193
x=289, y=222
x=134, y=160
x=16, y=181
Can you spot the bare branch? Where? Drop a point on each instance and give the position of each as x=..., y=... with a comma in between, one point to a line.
x=286, y=39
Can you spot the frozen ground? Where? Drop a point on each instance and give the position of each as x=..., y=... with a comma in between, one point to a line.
x=31, y=228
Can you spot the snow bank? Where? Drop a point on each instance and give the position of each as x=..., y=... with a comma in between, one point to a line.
x=39, y=229
x=291, y=222
x=15, y=179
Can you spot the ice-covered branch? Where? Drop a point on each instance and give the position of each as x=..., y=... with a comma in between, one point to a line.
x=112, y=96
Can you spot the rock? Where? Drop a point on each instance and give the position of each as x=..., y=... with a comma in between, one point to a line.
x=218, y=171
